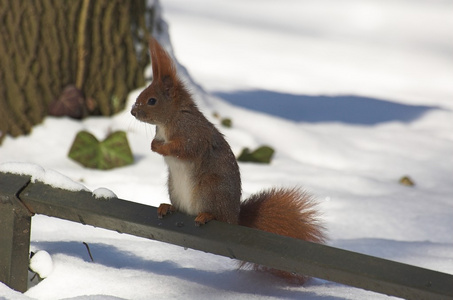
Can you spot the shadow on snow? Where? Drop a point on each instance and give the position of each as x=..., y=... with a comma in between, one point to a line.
x=245, y=282
x=316, y=109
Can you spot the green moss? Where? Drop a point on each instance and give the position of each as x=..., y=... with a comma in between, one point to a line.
x=262, y=154
x=226, y=122
x=407, y=181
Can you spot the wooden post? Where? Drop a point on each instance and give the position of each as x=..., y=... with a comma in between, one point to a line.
x=15, y=222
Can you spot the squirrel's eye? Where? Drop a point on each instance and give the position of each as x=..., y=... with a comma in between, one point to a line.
x=151, y=101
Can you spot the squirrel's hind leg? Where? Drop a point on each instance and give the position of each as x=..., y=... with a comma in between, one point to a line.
x=165, y=209
x=204, y=218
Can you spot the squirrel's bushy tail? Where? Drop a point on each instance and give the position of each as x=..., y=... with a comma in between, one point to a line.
x=289, y=212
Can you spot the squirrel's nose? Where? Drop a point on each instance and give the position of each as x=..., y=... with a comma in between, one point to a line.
x=134, y=110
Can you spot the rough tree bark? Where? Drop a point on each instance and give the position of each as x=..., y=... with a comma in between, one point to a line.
x=100, y=46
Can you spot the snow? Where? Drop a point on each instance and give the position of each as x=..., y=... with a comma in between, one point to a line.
x=52, y=178
x=41, y=263
x=38, y=173
x=353, y=95
x=103, y=193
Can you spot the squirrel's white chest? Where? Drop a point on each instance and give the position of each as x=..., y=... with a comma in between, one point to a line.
x=180, y=181
x=181, y=185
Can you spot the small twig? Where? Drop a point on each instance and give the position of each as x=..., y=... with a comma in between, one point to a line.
x=89, y=251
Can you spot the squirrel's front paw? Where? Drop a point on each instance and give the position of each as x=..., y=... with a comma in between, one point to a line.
x=157, y=145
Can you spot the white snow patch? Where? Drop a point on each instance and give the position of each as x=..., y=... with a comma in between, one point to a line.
x=103, y=193
x=38, y=173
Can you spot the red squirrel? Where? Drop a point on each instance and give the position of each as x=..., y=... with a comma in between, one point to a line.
x=203, y=174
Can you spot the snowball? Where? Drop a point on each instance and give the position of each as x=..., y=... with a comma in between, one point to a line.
x=41, y=263
x=103, y=193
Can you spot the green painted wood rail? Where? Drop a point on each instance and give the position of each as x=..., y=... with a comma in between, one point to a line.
x=20, y=199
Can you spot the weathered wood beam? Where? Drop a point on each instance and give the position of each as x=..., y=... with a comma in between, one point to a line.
x=354, y=269
x=15, y=222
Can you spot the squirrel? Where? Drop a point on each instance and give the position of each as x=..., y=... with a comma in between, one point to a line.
x=203, y=174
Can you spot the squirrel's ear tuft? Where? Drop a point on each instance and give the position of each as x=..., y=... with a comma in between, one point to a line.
x=162, y=64
x=154, y=57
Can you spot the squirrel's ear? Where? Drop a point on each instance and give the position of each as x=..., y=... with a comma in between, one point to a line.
x=162, y=64
x=154, y=62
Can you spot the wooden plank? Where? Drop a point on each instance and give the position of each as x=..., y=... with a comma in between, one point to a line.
x=363, y=271
x=15, y=222
x=237, y=242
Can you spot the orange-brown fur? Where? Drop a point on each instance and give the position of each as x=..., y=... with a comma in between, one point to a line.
x=288, y=212
x=204, y=178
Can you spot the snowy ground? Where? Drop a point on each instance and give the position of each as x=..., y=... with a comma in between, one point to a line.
x=352, y=94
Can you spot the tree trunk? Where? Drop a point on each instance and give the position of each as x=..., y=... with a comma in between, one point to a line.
x=100, y=46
